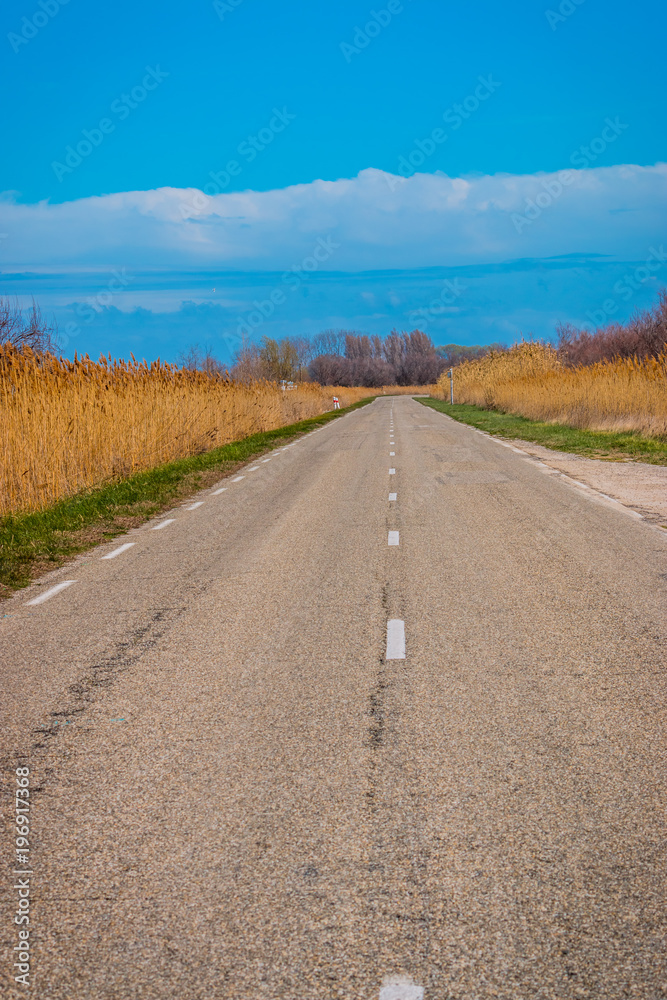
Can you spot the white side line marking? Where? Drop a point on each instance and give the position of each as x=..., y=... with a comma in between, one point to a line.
x=392, y=496
x=398, y=988
x=193, y=506
x=392, y=472
x=117, y=552
x=50, y=593
x=216, y=493
x=393, y=538
x=266, y=459
x=395, y=640
x=238, y=479
x=254, y=468
x=163, y=524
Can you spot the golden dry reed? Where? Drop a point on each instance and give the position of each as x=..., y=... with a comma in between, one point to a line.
x=531, y=380
x=70, y=425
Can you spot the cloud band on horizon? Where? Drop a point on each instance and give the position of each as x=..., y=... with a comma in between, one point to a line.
x=380, y=220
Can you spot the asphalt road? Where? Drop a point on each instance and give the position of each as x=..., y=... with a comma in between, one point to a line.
x=237, y=794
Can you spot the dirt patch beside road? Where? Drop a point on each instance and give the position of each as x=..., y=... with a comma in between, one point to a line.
x=637, y=485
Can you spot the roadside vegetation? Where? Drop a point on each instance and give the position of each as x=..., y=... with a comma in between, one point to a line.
x=610, y=445
x=33, y=543
x=69, y=426
x=613, y=380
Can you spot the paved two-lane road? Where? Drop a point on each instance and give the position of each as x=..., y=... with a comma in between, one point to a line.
x=238, y=794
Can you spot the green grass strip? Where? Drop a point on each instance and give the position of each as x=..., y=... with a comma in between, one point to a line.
x=609, y=445
x=31, y=544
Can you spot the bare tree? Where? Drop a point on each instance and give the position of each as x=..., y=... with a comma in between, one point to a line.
x=26, y=328
x=197, y=360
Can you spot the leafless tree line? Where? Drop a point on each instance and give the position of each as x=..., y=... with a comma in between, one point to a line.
x=343, y=357
x=643, y=336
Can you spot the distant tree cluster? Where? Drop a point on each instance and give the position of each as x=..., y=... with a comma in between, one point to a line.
x=343, y=357
x=644, y=336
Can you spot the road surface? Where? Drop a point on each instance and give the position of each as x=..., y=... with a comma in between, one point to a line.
x=241, y=790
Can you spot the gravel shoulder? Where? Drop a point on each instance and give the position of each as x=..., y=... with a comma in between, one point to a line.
x=637, y=485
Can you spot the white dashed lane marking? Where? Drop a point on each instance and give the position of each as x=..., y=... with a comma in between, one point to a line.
x=398, y=988
x=193, y=506
x=254, y=468
x=238, y=479
x=395, y=639
x=119, y=551
x=392, y=472
x=393, y=538
x=216, y=493
x=163, y=524
x=392, y=496
x=50, y=593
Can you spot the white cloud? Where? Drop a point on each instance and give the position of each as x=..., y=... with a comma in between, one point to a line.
x=379, y=220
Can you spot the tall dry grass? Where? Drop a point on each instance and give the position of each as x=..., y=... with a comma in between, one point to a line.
x=69, y=425
x=531, y=380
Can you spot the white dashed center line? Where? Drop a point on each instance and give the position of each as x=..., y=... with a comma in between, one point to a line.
x=393, y=538
x=395, y=640
x=238, y=479
x=392, y=496
x=216, y=493
x=50, y=593
x=117, y=552
x=392, y=472
x=392, y=454
x=163, y=524
x=193, y=506
x=398, y=988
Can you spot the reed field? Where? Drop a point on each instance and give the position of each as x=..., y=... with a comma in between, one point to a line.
x=531, y=380
x=67, y=426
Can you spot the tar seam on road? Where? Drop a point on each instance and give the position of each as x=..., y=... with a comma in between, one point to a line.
x=119, y=551
x=50, y=593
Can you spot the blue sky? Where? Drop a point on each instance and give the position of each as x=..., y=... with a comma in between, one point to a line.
x=479, y=105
